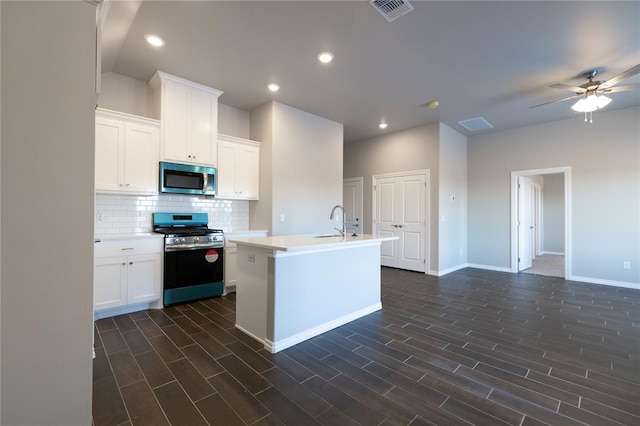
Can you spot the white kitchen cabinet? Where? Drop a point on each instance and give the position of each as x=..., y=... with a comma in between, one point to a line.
x=189, y=115
x=126, y=153
x=238, y=168
x=127, y=272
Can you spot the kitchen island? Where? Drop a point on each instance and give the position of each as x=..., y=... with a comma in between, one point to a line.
x=292, y=288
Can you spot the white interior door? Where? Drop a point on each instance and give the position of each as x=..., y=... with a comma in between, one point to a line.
x=352, y=203
x=386, y=190
x=412, y=225
x=400, y=211
x=525, y=223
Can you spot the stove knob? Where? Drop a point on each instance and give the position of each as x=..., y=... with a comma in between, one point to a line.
x=181, y=240
x=196, y=239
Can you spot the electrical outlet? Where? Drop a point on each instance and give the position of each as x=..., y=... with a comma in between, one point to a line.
x=100, y=217
x=281, y=218
x=251, y=258
x=626, y=265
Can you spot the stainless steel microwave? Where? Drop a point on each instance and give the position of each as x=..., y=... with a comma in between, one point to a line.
x=187, y=179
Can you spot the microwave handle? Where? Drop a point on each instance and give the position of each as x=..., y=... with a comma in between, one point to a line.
x=205, y=183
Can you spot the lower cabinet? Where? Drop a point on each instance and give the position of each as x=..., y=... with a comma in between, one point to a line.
x=230, y=267
x=127, y=272
x=231, y=256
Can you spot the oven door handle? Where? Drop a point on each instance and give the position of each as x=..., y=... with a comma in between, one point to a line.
x=188, y=248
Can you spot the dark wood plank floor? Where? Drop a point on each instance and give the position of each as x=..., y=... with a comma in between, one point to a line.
x=472, y=347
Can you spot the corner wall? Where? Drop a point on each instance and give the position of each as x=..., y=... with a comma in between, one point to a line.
x=452, y=228
x=605, y=163
x=48, y=101
x=407, y=150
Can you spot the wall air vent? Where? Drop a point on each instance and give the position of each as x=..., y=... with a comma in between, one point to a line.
x=391, y=9
x=475, y=124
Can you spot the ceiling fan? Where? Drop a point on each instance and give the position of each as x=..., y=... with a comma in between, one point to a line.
x=592, y=92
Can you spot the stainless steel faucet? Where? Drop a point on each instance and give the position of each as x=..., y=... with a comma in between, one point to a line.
x=343, y=232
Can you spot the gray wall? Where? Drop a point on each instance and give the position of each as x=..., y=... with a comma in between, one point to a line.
x=605, y=162
x=48, y=100
x=452, y=228
x=407, y=150
x=553, y=214
x=126, y=94
x=301, y=165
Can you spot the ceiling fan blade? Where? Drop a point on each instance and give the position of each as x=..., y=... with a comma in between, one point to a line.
x=563, y=86
x=622, y=76
x=620, y=88
x=557, y=100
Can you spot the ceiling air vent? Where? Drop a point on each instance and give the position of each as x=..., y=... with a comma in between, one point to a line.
x=391, y=9
x=475, y=124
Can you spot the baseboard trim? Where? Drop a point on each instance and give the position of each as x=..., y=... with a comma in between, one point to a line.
x=488, y=267
x=557, y=253
x=282, y=344
x=623, y=284
x=447, y=271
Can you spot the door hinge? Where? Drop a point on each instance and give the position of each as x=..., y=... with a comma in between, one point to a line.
x=518, y=259
x=374, y=187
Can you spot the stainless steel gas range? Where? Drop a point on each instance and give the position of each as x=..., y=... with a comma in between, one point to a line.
x=193, y=256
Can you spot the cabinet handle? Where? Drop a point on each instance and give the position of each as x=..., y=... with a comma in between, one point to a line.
x=124, y=263
x=130, y=263
x=400, y=226
x=127, y=185
x=127, y=249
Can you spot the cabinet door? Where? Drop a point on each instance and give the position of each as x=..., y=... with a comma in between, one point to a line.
x=109, y=282
x=141, y=159
x=226, y=170
x=144, y=278
x=230, y=266
x=247, y=176
x=109, y=143
x=203, y=128
x=175, y=122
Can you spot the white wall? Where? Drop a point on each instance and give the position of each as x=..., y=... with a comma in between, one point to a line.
x=301, y=167
x=48, y=100
x=452, y=229
x=605, y=164
x=553, y=214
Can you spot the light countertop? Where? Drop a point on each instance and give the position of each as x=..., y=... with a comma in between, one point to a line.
x=127, y=236
x=309, y=242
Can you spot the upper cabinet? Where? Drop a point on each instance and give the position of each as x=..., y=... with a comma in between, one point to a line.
x=127, y=150
x=238, y=168
x=189, y=117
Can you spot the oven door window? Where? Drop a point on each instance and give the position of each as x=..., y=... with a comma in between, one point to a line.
x=193, y=267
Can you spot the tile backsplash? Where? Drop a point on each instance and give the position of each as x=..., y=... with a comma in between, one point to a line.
x=122, y=214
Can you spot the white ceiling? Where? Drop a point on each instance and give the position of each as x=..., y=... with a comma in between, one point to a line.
x=477, y=58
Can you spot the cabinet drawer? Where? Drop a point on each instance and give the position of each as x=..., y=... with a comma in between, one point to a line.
x=127, y=247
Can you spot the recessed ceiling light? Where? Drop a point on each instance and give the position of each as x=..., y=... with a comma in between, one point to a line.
x=154, y=40
x=325, y=57
x=383, y=125
x=273, y=87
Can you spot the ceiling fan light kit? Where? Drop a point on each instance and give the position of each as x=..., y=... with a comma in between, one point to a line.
x=591, y=103
x=591, y=93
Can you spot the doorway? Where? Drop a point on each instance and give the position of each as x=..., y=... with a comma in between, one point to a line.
x=400, y=209
x=352, y=203
x=535, y=229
